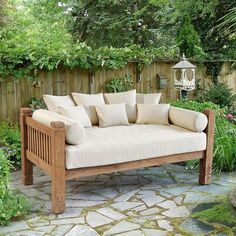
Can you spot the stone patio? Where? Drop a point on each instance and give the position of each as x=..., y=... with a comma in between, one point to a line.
x=152, y=201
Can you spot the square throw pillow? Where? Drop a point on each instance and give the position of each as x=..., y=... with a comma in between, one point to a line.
x=153, y=114
x=150, y=98
x=129, y=98
x=76, y=113
x=54, y=102
x=89, y=101
x=112, y=115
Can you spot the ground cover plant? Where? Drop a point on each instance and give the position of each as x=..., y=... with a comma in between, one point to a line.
x=225, y=136
x=10, y=140
x=11, y=204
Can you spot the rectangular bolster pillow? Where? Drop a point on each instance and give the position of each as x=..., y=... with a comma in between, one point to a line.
x=75, y=132
x=192, y=120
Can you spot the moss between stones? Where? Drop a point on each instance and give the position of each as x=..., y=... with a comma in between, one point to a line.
x=222, y=213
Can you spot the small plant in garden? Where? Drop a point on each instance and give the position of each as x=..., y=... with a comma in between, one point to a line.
x=10, y=140
x=225, y=136
x=37, y=103
x=119, y=84
x=219, y=94
x=11, y=204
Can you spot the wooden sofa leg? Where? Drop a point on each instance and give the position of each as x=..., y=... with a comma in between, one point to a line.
x=205, y=171
x=58, y=167
x=58, y=195
x=206, y=162
x=26, y=165
x=27, y=172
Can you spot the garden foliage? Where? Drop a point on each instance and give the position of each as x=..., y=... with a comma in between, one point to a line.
x=11, y=204
x=107, y=34
x=119, y=84
x=10, y=139
x=218, y=93
x=225, y=136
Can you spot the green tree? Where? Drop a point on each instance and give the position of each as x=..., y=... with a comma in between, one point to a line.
x=2, y=12
x=214, y=42
x=228, y=24
x=188, y=39
x=119, y=23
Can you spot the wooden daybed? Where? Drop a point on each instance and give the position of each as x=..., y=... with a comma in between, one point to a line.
x=45, y=147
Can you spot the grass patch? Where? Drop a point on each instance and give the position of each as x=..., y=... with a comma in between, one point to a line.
x=222, y=213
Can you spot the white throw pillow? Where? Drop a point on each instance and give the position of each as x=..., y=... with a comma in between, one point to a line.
x=77, y=113
x=150, y=98
x=112, y=115
x=153, y=114
x=129, y=98
x=89, y=101
x=75, y=132
x=53, y=102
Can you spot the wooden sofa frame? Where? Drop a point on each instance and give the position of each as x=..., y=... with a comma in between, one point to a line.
x=45, y=147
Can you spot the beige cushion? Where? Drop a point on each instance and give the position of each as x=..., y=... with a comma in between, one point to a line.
x=129, y=98
x=53, y=102
x=192, y=120
x=111, y=115
x=151, y=98
x=153, y=114
x=76, y=113
x=75, y=132
x=89, y=101
x=118, y=144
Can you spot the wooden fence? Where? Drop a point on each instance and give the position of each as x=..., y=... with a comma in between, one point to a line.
x=16, y=94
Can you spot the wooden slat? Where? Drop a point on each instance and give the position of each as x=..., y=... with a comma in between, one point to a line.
x=40, y=163
x=38, y=126
x=71, y=174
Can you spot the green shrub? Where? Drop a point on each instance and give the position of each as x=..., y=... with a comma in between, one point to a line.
x=10, y=139
x=11, y=204
x=119, y=84
x=225, y=136
x=37, y=103
x=219, y=94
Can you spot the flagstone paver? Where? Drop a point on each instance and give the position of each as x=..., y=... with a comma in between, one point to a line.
x=123, y=206
x=109, y=212
x=143, y=202
x=177, y=212
x=168, y=204
x=95, y=219
x=165, y=225
x=82, y=230
x=154, y=232
x=121, y=227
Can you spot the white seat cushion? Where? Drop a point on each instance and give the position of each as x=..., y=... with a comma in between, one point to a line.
x=117, y=144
